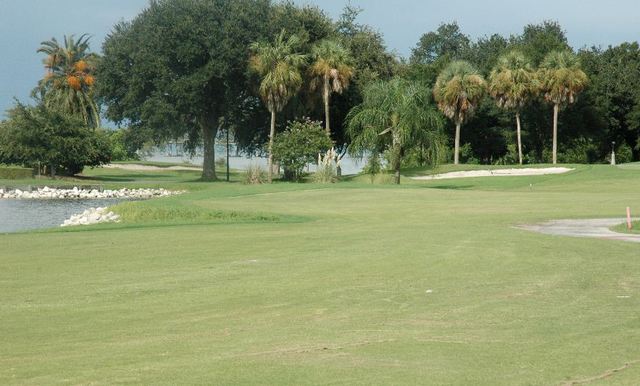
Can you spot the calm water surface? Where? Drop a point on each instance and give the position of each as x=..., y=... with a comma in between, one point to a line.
x=22, y=215
x=241, y=162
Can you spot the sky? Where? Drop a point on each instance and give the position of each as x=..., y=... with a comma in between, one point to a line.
x=26, y=23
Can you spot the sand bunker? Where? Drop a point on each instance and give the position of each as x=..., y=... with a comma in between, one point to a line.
x=597, y=228
x=495, y=173
x=138, y=167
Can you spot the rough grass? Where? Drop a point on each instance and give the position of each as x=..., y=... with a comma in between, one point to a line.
x=417, y=284
x=161, y=213
x=622, y=228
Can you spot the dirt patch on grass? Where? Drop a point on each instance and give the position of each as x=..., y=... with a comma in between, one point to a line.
x=595, y=228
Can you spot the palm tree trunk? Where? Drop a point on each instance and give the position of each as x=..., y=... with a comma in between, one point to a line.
x=555, y=133
x=325, y=97
x=397, y=157
x=209, y=131
x=456, y=155
x=519, y=135
x=272, y=134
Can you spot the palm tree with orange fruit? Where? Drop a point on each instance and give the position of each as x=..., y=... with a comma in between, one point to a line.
x=69, y=82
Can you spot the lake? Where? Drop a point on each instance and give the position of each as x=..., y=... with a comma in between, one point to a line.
x=23, y=215
x=174, y=154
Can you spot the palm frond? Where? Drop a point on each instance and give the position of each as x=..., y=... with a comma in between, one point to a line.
x=68, y=83
x=393, y=114
x=279, y=66
x=561, y=77
x=458, y=90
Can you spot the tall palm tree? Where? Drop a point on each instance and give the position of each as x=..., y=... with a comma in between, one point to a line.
x=331, y=71
x=458, y=90
x=561, y=80
x=69, y=82
x=278, y=65
x=394, y=115
x=513, y=83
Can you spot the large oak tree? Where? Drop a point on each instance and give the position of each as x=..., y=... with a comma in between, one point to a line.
x=180, y=66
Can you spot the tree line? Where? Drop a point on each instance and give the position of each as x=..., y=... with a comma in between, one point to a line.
x=594, y=86
x=191, y=69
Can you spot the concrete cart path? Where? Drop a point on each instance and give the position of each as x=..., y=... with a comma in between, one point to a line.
x=597, y=228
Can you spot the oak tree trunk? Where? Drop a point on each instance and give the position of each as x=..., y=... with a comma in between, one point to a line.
x=209, y=132
x=272, y=134
x=556, y=107
x=519, y=135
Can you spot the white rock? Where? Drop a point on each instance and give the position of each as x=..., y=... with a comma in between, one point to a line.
x=76, y=193
x=91, y=216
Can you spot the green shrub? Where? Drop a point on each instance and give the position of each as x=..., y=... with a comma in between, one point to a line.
x=300, y=145
x=511, y=157
x=15, y=173
x=467, y=156
x=38, y=135
x=373, y=166
x=435, y=154
x=579, y=151
x=624, y=154
x=125, y=144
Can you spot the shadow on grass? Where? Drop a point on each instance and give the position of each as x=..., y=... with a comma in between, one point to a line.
x=105, y=178
x=450, y=187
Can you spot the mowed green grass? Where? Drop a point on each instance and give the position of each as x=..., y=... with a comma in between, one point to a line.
x=353, y=283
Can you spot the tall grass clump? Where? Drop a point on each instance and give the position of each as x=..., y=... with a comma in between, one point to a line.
x=152, y=212
x=328, y=165
x=255, y=175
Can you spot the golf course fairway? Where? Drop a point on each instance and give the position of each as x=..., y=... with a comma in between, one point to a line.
x=429, y=282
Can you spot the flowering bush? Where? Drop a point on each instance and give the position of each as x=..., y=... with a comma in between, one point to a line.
x=298, y=146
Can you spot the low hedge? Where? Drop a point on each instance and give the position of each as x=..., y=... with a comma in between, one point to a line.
x=15, y=173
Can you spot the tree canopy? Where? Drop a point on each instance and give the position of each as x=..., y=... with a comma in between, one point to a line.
x=394, y=116
x=279, y=66
x=331, y=71
x=180, y=66
x=39, y=136
x=69, y=80
x=179, y=70
x=512, y=84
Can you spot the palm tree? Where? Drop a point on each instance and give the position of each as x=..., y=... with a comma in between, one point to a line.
x=394, y=115
x=512, y=84
x=278, y=65
x=458, y=90
x=561, y=80
x=331, y=71
x=69, y=82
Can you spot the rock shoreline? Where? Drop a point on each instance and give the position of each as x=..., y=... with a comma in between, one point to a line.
x=91, y=216
x=47, y=193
